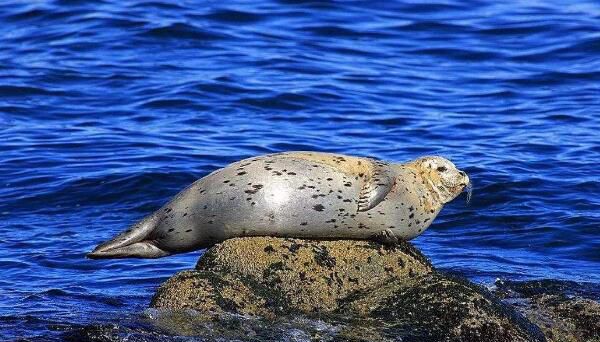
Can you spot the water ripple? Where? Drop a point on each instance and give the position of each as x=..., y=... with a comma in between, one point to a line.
x=109, y=109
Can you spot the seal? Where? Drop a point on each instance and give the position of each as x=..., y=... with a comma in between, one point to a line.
x=296, y=194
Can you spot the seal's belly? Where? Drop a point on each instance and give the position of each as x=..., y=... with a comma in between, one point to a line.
x=284, y=197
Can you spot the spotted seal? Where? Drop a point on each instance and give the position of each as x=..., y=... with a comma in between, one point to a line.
x=296, y=194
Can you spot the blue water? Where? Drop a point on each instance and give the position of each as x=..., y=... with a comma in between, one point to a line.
x=109, y=108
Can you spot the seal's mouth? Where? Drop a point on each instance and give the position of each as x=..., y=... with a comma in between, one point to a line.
x=464, y=185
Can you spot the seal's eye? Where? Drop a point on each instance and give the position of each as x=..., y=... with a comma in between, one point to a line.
x=442, y=169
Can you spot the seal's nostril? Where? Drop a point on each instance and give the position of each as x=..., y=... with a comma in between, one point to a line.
x=462, y=173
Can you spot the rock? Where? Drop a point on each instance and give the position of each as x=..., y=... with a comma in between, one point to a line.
x=361, y=290
x=438, y=307
x=267, y=276
x=565, y=311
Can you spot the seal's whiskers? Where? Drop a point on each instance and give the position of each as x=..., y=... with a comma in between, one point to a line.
x=469, y=189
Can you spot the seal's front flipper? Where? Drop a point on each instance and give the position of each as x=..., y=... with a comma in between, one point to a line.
x=143, y=249
x=386, y=237
x=378, y=184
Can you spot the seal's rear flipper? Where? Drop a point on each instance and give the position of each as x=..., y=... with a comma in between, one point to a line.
x=142, y=249
x=136, y=242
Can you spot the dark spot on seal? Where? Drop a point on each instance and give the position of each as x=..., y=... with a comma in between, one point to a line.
x=269, y=249
x=319, y=207
x=329, y=179
x=291, y=173
x=226, y=181
x=189, y=230
x=171, y=229
x=411, y=215
x=303, y=223
x=241, y=173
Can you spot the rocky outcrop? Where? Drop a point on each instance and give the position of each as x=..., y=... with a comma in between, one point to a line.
x=364, y=290
x=271, y=276
x=565, y=311
x=270, y=289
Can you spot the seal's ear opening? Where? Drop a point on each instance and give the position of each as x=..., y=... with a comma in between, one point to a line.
x=143, y=249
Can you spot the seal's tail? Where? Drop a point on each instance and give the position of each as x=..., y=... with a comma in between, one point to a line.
x=132, y=243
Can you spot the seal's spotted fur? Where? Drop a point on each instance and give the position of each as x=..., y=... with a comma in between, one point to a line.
x=296, y=194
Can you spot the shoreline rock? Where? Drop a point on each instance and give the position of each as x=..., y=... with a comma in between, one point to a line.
x=368, y=291
x=270, y=289
x=565, y=311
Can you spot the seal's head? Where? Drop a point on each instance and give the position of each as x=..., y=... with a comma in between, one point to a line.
x=442, y=177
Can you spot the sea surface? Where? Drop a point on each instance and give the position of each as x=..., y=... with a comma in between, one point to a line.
x=109, y=108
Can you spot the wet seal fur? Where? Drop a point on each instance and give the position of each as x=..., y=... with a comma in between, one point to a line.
x=296, y=194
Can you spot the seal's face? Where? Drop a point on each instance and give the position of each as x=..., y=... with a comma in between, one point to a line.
x=444, y=179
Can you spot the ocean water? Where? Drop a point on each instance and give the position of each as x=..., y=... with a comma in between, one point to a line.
x=109, y=108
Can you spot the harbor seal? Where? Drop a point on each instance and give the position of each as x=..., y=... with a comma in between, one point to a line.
x=296, y=194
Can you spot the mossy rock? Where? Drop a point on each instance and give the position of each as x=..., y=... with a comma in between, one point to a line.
x=437, y=307
x=364, y=290
x=266, y=276
x=565, y=311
